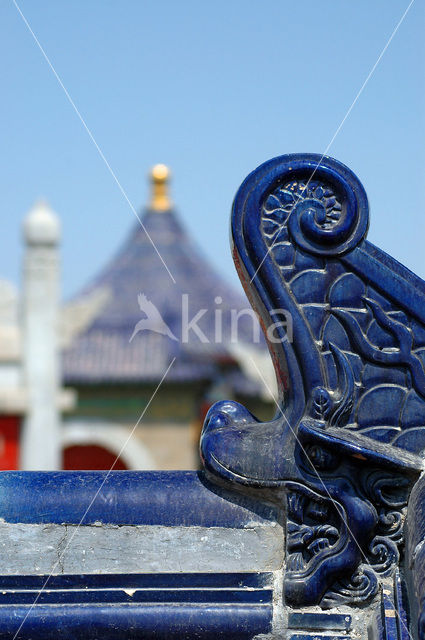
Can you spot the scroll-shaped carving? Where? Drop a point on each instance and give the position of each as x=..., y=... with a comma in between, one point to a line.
x=346, y=441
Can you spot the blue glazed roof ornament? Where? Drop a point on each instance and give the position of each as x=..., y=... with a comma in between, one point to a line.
x=137, y=328
x=347, y=438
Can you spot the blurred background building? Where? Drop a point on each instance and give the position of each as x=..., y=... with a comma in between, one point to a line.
x=82, y=384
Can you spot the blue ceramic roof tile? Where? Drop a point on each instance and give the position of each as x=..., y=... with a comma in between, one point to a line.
x=103, y=352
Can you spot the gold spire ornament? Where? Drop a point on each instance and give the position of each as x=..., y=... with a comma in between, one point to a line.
x=160, y=175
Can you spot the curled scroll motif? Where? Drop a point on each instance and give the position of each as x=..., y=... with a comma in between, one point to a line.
x=386, y=490
x=361, y=587
x=323, y=217
x=383, y=555
x=391, y=524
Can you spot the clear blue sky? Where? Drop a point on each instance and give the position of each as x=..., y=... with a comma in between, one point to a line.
x=212, y=89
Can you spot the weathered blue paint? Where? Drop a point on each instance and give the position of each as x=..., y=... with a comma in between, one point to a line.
x=200, y=606
x=308, y=636
x=167, y=589
x=132, y=622
x=167, y=498
x=313, y=621
x=154, y=605
x=216, y=581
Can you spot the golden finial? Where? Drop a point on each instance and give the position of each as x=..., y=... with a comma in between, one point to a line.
x=160, y=175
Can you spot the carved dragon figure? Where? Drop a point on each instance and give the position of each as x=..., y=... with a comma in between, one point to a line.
x=347, y=438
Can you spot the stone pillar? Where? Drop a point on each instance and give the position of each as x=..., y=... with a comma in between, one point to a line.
x=40, y=437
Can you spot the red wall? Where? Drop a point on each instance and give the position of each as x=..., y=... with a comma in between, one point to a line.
x=75, y=457
x=9, y=444
x=90, y=457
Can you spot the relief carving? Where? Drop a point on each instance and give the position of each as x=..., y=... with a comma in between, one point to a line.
x=346, y=440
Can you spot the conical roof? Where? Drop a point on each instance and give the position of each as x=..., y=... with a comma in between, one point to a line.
x=142, y=323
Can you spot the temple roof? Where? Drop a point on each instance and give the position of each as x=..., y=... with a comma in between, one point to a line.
x=138, y=328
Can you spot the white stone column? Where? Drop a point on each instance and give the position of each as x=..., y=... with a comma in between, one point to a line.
x=40, y=435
